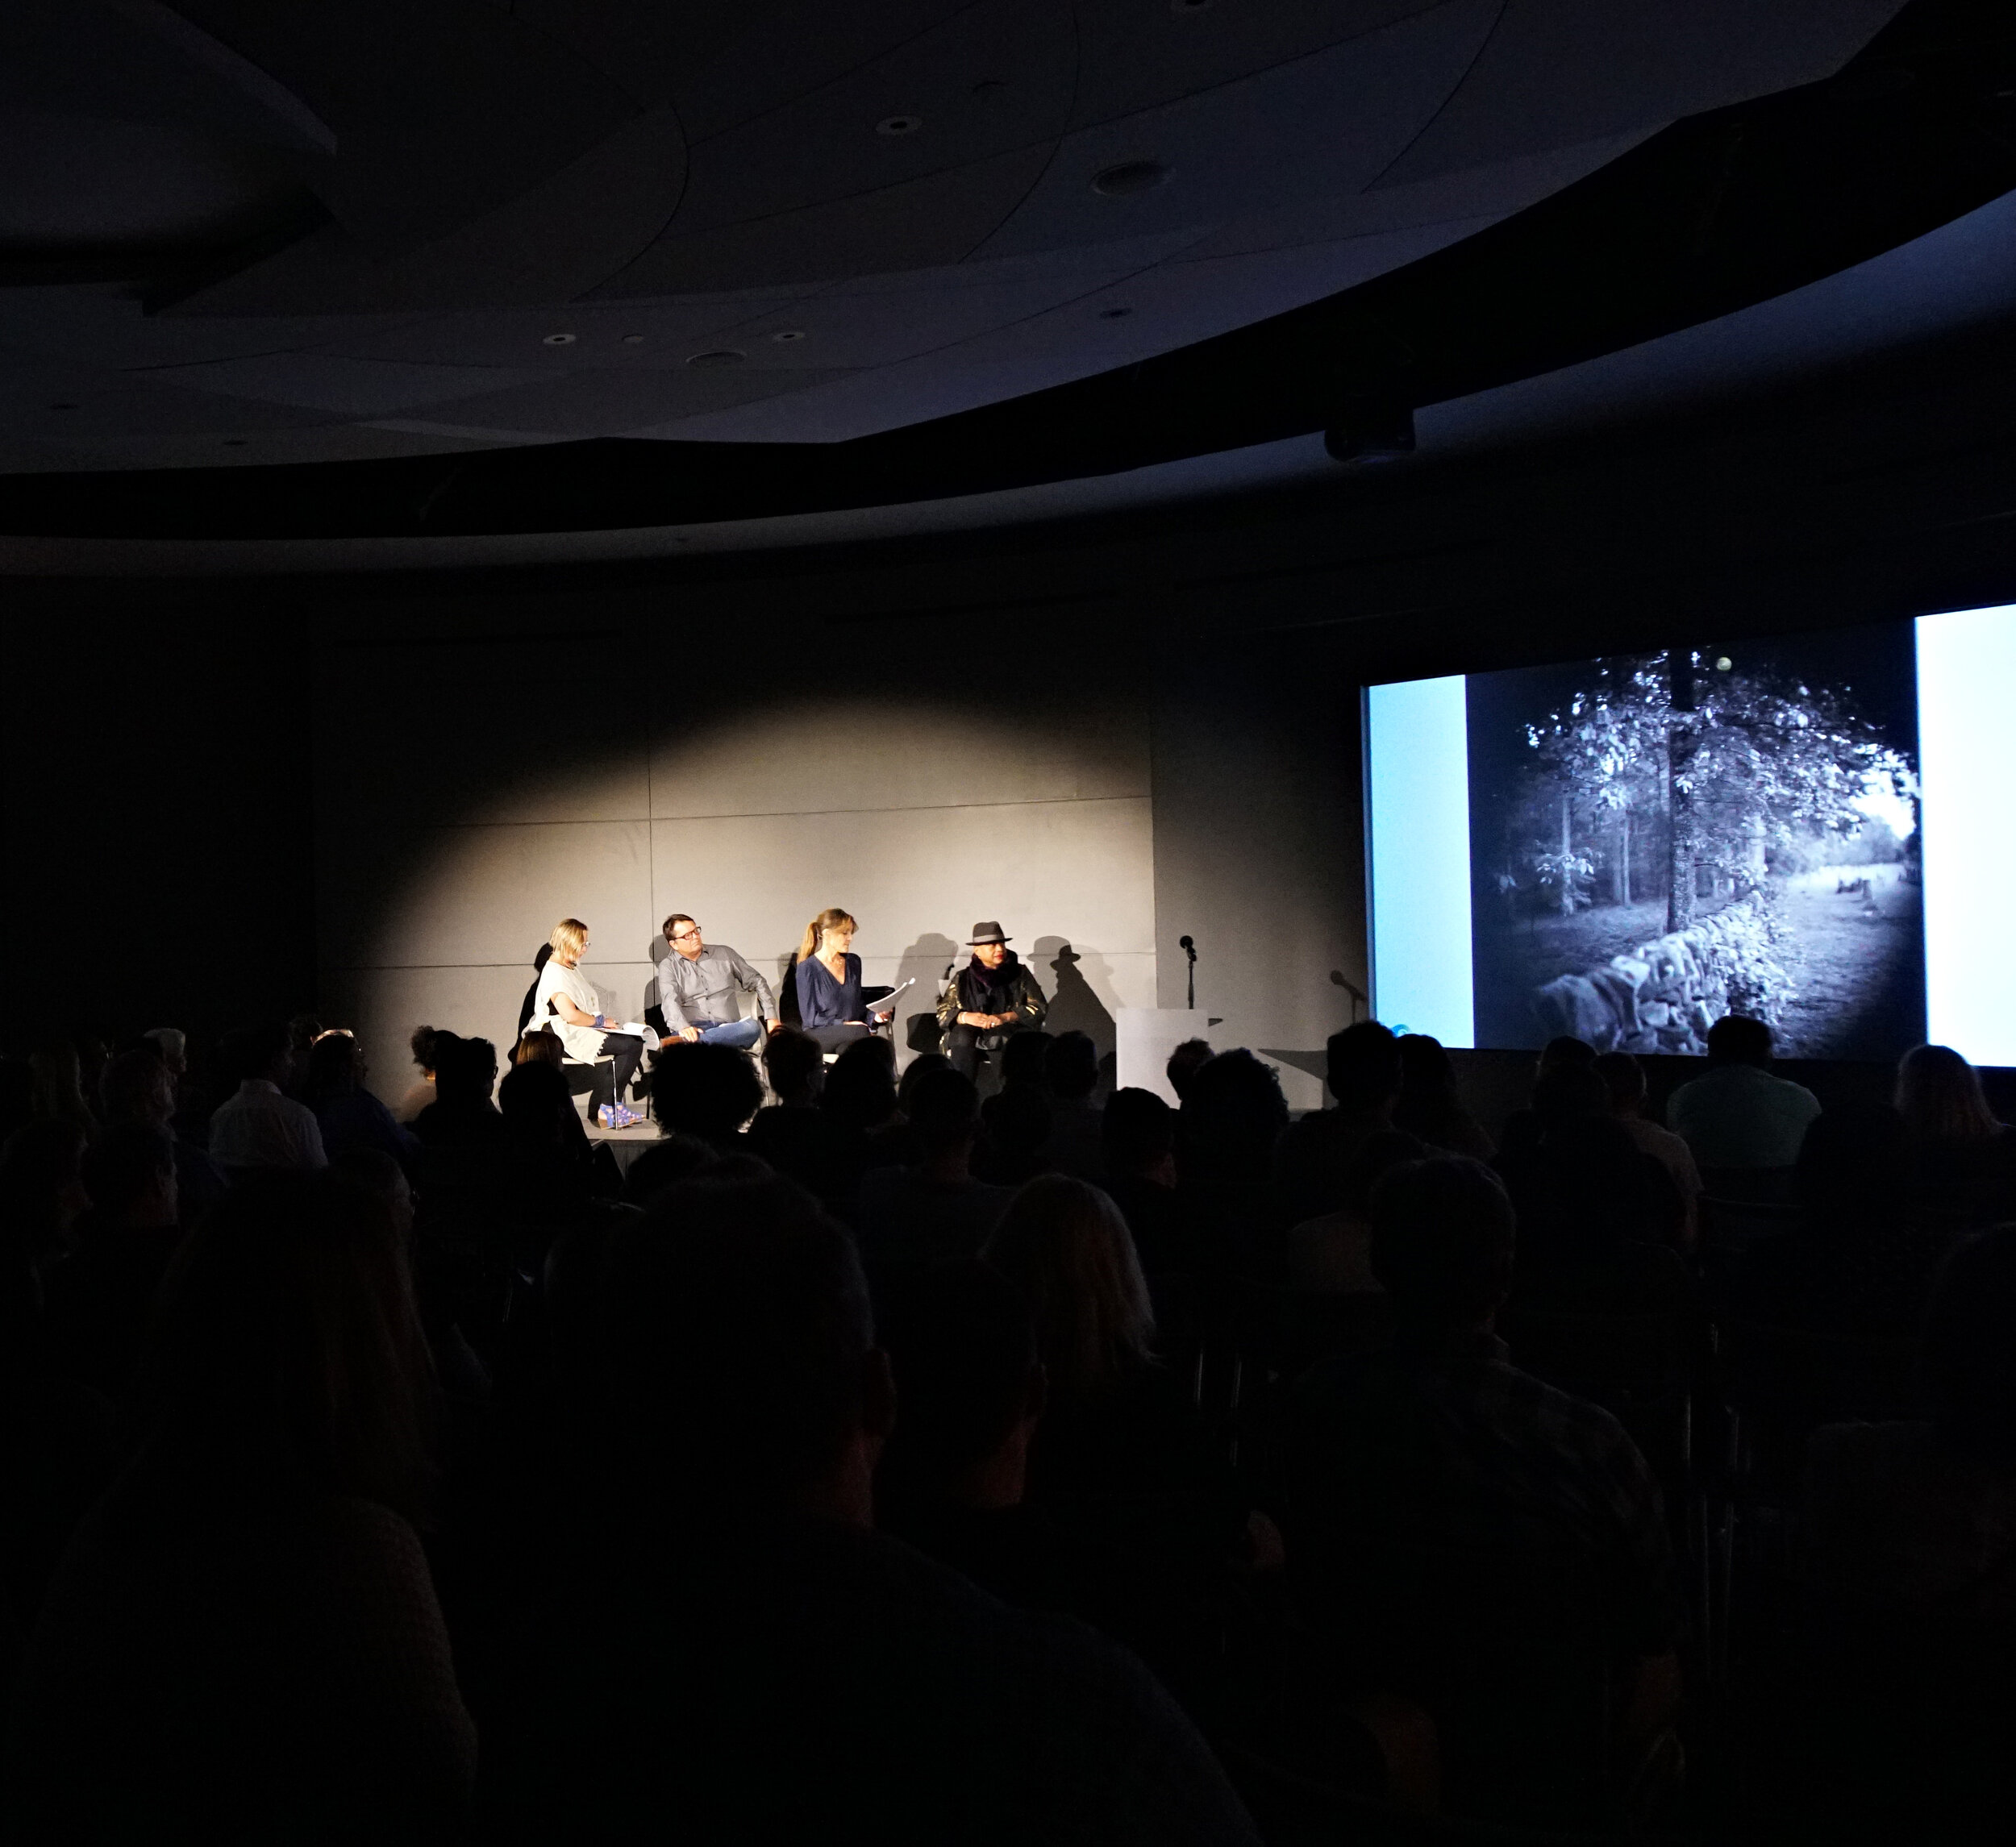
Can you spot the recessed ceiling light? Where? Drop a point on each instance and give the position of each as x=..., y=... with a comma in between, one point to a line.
x=1130, y=176
x=721, y=355
x=1114, y=314
x=633, y=339
x=785, y=336
x=899, y=125
x=559, y=339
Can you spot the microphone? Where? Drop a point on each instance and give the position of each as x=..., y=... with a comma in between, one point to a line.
x=1189, y=948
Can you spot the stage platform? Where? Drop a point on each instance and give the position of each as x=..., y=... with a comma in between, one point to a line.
x=625, y=1144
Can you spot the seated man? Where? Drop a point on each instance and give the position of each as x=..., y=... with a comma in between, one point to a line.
x=993, y=998
x=696, y=990
x=1738, y=1117
x=1472, y=1529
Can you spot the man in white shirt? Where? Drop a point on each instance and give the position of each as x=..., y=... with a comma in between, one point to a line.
x=261, y=1127
x=1739, y=1116
x=1624, y=1078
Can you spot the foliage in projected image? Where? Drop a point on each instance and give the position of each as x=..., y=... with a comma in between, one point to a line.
x=1759, y=811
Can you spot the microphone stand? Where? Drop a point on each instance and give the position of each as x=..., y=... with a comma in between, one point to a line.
x=1189, y=949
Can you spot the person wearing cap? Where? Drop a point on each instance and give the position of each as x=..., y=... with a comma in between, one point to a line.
x=993, y=996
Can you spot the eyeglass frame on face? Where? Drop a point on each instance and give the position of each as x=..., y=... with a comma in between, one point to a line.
x=692, y=930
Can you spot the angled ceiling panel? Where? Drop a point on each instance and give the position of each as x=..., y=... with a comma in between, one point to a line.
x=349, y=387
x=1560, y=71
x=617, y=403
x=1327, y=123
x=645, y=333
x=939, y=219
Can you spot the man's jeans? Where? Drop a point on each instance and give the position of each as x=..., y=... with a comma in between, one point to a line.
x=745, y=1035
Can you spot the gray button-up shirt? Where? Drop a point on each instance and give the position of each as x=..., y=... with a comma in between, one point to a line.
x=693, y=989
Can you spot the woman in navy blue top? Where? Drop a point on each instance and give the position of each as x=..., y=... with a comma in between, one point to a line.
x=828, y=976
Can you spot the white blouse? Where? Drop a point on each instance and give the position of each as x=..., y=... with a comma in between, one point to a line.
x=584, y=1042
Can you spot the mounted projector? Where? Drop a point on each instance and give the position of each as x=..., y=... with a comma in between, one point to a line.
x=1369, y=433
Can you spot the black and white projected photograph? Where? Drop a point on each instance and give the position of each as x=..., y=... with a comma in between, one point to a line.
x=1657, y=839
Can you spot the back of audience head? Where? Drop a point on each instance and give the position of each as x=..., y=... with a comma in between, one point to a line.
x=541, y=1045
x=285, y=1342
x=1571, y=1094
x=970, y=1387
x=1071, y=1067
x=1065, y=1245
x=172, y=1042
x=1564, y=1049
x=1363, y=1066
x=1138, y=1136
x=1024, y=1057
x=795, y=1064
x=1623, y=1082
x=335, y=1068
x=303, y=1029
x=261, y=1053
x=913, y=1074
x=58, y=1090
x=464, y=1070
x=130, y=1174
x=137, y=1087
x=534, y=1102
x=1855, y=1163
x=1737, y=1039
x=1968, y=1360
x=944, y=1112
x=860, y=1087
x=376, y=1173
x=1233, y=1114
x=1442, y=1242
x=739, y=1349
x=705, y=1090
x=1427, y=1078
x=1940, y=1096
x=1184, y=1063
x=421, y=1045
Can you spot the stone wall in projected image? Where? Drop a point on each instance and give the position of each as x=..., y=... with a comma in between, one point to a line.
x=484, y=802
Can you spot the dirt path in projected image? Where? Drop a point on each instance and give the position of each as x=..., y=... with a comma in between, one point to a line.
x=1857, y=976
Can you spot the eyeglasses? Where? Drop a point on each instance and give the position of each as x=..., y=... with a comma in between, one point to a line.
x=680, y=935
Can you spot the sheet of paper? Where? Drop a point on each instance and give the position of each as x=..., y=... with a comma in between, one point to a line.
x=883, y=1008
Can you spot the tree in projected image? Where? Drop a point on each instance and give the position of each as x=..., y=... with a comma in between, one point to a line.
x=1735, y=772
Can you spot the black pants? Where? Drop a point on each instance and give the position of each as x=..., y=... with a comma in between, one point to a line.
x=837, y=1037
x=966, y=1045
x=606, y=1082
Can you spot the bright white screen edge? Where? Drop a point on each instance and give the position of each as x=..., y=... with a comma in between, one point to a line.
x=1967, y=775
x=1417, y=754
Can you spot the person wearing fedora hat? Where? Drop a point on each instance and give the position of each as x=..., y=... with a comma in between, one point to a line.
x=992, y=997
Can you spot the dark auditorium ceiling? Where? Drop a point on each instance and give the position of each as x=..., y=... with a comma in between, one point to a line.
x=346, y=268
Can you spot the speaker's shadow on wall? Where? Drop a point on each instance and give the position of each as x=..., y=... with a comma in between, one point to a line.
x=1075, y=1005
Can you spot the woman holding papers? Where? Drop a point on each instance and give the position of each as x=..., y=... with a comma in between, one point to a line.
x=565, y=999
x=828, y=976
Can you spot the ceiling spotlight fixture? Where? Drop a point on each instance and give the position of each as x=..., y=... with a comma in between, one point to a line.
x=1128, y=177
x=721, y=356
x=899, y=125
x=633, y=339
x=787, y=336
x=559, y=339
x=1369, y=433
x=1723, y=663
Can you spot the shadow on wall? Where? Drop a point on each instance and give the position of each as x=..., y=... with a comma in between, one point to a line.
x=1067, y=977
x=925, y=963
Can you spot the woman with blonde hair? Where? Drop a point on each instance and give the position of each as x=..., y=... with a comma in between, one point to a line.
x=566, y=1001
x=828, y=980
x=1965, y=1156
x=1121, y=1444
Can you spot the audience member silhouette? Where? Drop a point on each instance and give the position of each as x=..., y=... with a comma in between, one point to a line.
x=1121, y=1450
x=793, y=1135
x=1624, y=1079
x=137, y=1086
x=1743, y=1125
x=1476, y=1537
x=421, y=1092
x=1071, y=1073
x=57, y=1092
x=1430, y=1107
x=1232, y=1120
x=346, y=1113
x=1364, y=1073
x=1137, y=1155
x=1964, y=1155
x=911, y=1216
x=1184, y=1063
x=42, y=1193
x=739, y=1651
x=1522, y=1127
x=261, y=1127
x=242, y=1640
